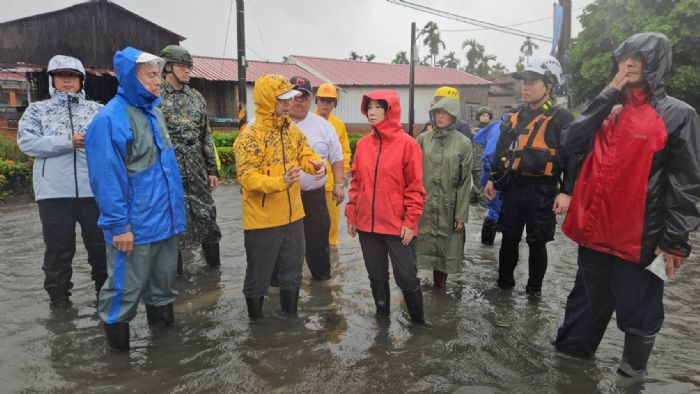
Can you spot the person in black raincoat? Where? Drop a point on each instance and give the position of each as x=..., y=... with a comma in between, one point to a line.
x=635, y=199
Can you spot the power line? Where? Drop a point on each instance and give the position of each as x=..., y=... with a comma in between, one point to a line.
x=513, y=25
x=471, y=21
x=228, y=25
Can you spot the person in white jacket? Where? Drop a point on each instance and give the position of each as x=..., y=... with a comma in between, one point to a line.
x=53, y=132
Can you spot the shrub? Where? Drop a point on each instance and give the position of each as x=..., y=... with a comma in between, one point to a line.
x=10, y=151
x=15, y=178
x=224, y=140
x=228, y=163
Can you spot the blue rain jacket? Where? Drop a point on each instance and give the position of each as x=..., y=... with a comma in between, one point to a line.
x=132, y=166
x=488, y=137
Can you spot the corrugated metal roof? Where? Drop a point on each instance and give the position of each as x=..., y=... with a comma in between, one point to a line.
x=222, y=69
x=360, y=73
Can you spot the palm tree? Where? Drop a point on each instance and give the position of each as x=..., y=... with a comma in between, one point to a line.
x=432, y=40
x=449, y=61
x=401, y=58
x=520, y=65
x=355, y=56
x=528, y=48
x=499, y=68
x=474, y=54
x=370, y=57
x=484, y=69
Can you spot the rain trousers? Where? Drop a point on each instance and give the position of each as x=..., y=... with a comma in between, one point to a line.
x=488, y=137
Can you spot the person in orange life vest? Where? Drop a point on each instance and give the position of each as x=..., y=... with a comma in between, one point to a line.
x=535, y=179
x=636, y=198
x=385, y=202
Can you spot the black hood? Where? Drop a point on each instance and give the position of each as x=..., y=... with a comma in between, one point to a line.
x=655, y=52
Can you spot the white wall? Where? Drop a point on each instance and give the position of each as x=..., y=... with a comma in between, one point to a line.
x=350, y=99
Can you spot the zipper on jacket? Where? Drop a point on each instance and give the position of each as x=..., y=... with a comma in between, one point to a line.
x=75, y=151
x=43, y=167
x=265, y=194
x=284, y=165
x=376, y=173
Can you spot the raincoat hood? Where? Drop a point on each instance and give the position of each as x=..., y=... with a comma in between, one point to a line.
x=392, y=118
x=265, y=93
x=655, y=51
x=61, y=62
x=449, y=105
x=129, y=85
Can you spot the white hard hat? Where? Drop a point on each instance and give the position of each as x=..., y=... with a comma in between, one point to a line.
x=543, y=67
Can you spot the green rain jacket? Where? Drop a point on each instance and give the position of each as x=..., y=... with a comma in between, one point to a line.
x=447, y=172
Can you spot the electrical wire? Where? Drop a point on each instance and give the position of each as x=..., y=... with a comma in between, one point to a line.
x=471, y=21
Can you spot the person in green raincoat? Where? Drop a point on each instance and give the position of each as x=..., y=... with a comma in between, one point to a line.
x=447, y=178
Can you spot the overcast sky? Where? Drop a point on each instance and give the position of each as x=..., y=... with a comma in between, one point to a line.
x=330, y=28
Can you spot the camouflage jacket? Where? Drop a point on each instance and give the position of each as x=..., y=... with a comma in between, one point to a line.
x=186, y=115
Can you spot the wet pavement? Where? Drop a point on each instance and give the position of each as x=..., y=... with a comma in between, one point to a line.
x=479, y=339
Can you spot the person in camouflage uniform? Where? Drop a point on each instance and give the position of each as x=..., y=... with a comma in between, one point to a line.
x=186, y=115
x=484, y=115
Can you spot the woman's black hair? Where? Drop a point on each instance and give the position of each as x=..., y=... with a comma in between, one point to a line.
x=382, y=103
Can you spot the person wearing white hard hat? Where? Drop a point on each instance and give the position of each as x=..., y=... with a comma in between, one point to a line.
x=535, y=177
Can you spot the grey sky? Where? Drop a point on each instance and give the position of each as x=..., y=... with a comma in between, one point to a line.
x=329, y=28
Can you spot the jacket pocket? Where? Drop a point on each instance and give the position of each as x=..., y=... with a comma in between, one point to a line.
x=265, y=194
x=43, y=167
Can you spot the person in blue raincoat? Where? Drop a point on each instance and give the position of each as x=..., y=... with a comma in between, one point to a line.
x=487, y=137
x=136, y=181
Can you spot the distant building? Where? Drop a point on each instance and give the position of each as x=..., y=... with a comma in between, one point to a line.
x=90, y=31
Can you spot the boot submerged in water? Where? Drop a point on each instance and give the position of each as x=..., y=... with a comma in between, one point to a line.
x=117, y=336
x=414, y=304
x=381, y=294
x=636, y=355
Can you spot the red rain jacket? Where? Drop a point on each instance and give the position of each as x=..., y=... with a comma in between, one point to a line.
x=639, y=186
x=386, y=191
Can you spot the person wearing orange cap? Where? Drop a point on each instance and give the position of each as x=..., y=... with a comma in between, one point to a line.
x=326, y=101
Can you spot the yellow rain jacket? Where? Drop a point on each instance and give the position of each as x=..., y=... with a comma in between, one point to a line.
x=264, y=152
x=339, y=127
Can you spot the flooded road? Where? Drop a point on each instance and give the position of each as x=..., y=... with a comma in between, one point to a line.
x=479, y=339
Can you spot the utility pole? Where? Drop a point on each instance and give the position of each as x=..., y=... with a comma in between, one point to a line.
x=412, y=79
x=242, y=64
x=565, y=39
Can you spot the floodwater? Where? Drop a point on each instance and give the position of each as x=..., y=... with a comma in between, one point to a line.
x=478, y=339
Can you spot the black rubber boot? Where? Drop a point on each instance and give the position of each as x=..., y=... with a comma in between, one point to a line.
x=636, y=355
x=254, y=307
x=211, y=254
x=488, y=232
x=289, y=298
x=117, y=336
x=414, y=304
x=60, y=299
x=179, y=264
x=160, y=316
x=381, y=294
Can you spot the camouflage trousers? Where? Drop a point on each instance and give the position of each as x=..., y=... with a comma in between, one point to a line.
x=200, y=209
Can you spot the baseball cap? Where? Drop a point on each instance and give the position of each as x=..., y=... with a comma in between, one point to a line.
x=301, y=84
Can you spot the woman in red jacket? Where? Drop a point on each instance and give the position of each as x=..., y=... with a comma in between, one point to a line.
x=386, y=201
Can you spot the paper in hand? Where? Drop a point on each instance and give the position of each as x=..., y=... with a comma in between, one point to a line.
x=658, y=266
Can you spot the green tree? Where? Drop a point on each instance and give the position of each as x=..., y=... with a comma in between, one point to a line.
x=401, y=58
x=499, y=68
x=370, y=57
x=484, y=68
x=474, y=55
x=432, y=40
x=449, y=61
x=606, y=23
x=520, y=65
x=528, y=48
x=355, y=56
